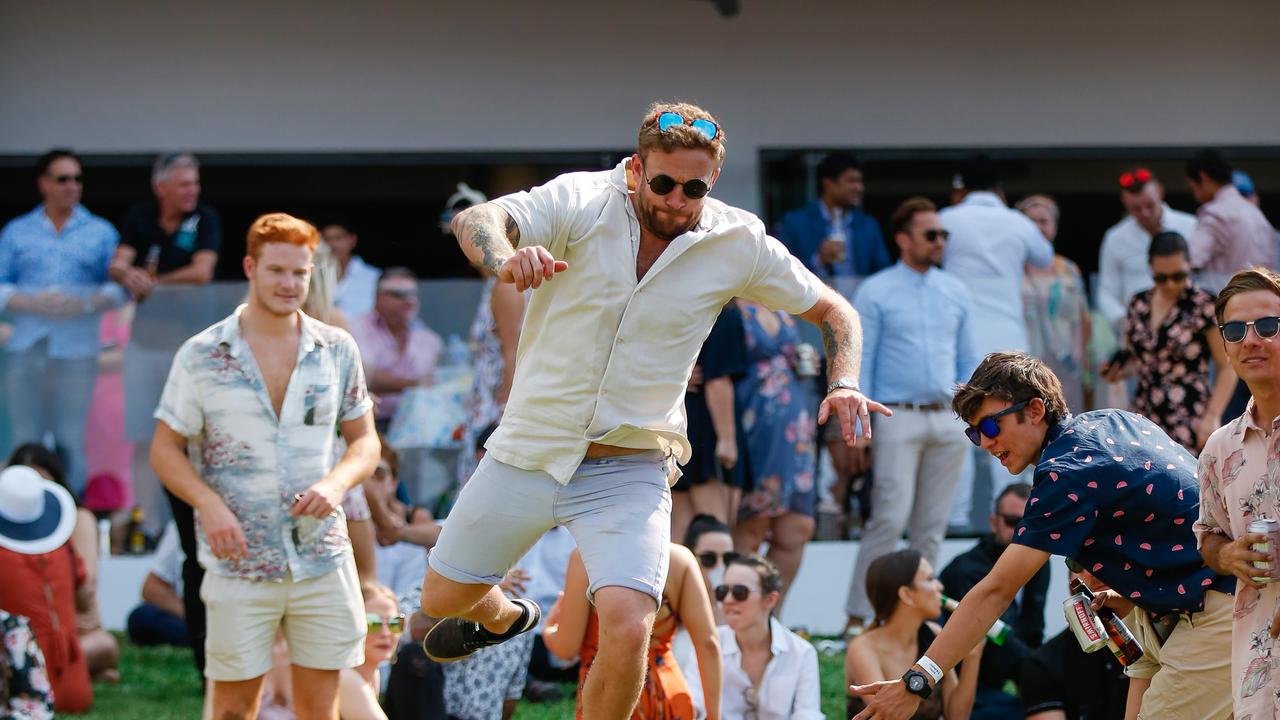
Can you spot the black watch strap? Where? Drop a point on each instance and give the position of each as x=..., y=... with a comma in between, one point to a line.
x=917, y=683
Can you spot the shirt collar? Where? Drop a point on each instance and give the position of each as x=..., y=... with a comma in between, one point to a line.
x=308, y=340
x=915, y=274
x=1227, y=192
x=1247, y=422
x=777, y=640
x=1056, y=431
x=78, y=215
x=985, y=198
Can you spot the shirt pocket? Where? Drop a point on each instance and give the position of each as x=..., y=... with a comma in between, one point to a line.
x=320, y=406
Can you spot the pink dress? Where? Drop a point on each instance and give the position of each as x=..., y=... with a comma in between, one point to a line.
x=1238, y=471
x=106, y=449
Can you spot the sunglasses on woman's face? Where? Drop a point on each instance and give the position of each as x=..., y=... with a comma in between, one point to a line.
x=663, y=185
x=1162, y=278
x=709, y=558
x=739, y=592
x=990, y=425
x=1265, y=327
x=376, y=621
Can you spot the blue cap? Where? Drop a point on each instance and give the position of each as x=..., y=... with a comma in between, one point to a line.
x=1243, y=182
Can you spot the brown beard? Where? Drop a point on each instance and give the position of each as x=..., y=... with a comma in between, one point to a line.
x=647, y=215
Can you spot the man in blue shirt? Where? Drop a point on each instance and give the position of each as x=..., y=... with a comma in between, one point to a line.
x=1115, y=494
x=832, y=236
x=53, y=282
x=916, y=345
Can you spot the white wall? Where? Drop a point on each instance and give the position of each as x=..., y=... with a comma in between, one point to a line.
x=134, y=76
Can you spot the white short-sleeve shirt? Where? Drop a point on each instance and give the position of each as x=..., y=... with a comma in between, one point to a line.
x=604, y=358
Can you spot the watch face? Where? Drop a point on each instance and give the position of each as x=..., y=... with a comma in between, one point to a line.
x=915, y=683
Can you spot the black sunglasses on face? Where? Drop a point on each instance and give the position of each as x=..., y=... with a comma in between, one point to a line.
x=740, y=592
x=399, y=293
x=1010, y=520
x=936, y=235
x=1265, y=327
x=989, y=425
x=1162, y=278
x=64, y=179
x=709, y=558
x=663, y=185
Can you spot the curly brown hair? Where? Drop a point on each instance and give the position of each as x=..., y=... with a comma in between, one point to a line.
x=678, y=136
x=1256, y=278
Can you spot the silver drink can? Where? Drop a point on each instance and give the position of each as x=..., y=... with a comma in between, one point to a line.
x=1084, y=622
x=806, y=360
x=1269, y=568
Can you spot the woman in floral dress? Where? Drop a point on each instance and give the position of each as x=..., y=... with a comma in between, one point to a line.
x=777, y=416
x=1171, y=334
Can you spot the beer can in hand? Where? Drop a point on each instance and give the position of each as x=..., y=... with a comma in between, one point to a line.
x=1269, y=569
x=1084, y=623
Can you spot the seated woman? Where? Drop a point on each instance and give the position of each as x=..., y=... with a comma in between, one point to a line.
x=99, y=646
x=358, y=687
x=572, y=628
x=906, y=596
x=712, y=544
x=770, y=673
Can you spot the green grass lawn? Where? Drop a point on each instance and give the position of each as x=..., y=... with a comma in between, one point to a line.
x=161, y=684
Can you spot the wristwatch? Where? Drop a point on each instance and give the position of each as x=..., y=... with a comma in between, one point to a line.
x=917, y=684
x=844, y=383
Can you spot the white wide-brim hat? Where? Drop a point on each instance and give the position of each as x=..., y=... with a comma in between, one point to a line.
x=36, y=515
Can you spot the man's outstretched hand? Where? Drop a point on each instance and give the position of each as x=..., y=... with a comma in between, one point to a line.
x=850, y=406
x=886, y=700
x=529, y=267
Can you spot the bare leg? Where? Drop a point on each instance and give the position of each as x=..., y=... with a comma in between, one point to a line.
x=682, y=511
x=236, y=700
x=103, y=655
x=786, y=544
x=749, y=535
x=617, y=674
x=317, y=698
x=485, y=604
x=712, y=498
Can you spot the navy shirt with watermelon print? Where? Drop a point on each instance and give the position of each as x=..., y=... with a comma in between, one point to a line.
x=1113, y=492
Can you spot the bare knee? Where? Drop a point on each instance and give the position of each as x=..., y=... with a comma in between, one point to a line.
x=626, y=619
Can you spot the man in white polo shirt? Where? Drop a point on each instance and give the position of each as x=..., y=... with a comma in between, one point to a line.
x=629, y=269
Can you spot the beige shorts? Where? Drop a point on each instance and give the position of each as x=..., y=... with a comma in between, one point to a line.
x=322, y=618
x=1191, y=674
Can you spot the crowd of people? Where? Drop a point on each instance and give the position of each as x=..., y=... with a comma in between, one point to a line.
x=296, y=556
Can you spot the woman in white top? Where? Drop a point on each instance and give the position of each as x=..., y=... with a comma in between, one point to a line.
x=770, y=673
x=358, y=687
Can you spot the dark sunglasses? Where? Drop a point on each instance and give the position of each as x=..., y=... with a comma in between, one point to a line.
x=1162, y=278
x=394, y=624
x=740, y=592
x=709, y=558
x=668, y=120
x=989, y=425
x=936, y=235
x=1136, y=179
x=400, y=294
x=1265, y=327
x=1010, y=520
x=64, y=179
x=664, y=184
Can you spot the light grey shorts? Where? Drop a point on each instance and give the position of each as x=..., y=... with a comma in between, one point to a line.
x=618, y=510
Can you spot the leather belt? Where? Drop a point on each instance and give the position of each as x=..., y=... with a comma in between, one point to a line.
x=918, y=407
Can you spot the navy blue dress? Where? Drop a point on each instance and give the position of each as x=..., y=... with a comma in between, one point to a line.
x=777, y=414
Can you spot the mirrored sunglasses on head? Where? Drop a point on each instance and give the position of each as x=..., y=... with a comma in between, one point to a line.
x=990, y=425
x=1235, y=331
x=668, y=120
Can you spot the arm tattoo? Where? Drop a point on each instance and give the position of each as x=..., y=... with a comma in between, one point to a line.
x=480, y=228
x=842, y=339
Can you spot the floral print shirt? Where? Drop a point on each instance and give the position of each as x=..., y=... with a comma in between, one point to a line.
x=1173, y=362
x=215, y=396
x=25, y=692
x=1238, y=472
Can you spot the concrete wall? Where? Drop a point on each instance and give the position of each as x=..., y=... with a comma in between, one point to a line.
x=135, y=76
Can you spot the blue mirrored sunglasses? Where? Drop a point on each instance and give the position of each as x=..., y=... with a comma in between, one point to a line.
x=668, y=120
x=990, y=425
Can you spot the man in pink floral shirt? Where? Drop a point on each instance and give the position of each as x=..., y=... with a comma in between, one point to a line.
x=1237, y=479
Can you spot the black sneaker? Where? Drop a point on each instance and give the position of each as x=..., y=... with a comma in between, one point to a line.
x=453, y=639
